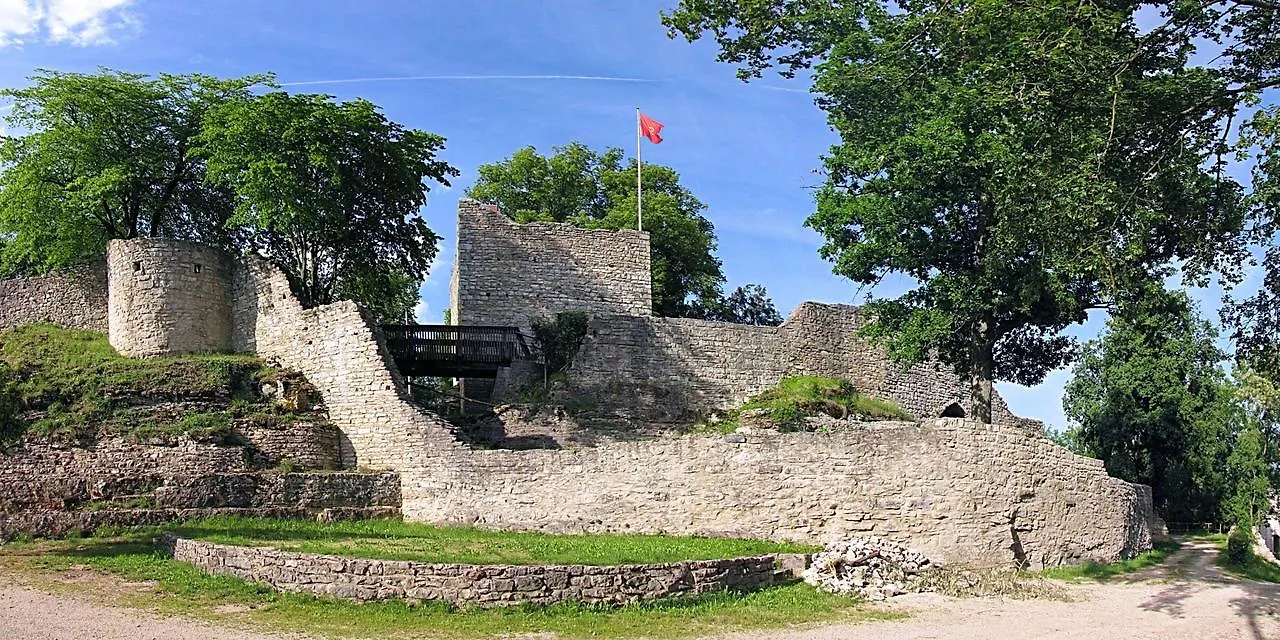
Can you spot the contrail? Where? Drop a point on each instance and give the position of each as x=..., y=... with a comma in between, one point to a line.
x=408, y=78
x=787, y=89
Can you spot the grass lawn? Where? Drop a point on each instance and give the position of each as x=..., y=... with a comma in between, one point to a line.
x=397, y=540
x=1254, y=567
x=133, y=573
x=1096, y=571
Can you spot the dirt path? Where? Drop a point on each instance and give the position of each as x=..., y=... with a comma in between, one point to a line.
x=1186, y=598
x=27, y=614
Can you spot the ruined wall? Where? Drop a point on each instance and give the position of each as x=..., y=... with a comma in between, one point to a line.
x=507, y=273
x=168, y=297
x=339, y=349
x=471, y=585
x=671, y=368
x=958, y=491
x=76, y=299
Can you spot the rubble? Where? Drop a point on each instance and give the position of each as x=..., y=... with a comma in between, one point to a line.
x=874, y=568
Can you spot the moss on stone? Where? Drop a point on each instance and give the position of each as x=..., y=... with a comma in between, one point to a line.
x=793, y=399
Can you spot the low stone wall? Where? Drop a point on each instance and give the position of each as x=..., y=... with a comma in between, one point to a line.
x=471, y=585
x=76, y=299
x=958, y=491
x=46, y=523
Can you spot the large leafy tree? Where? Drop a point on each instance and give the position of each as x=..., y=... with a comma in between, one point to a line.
x=330, y=192
x=1150, y=400
x=748, y=304
x=598, y=191
x=106, y=156
x=1021, y=162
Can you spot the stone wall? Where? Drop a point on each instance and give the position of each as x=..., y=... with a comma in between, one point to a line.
x=38, y=474
x=505, y=273
x=673, y=368
x=76, y=299
x=474, y=585
x=959, y=491
x=168, y=297
x=339, y=349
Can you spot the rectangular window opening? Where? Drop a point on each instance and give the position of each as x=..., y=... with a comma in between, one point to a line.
x=197, y=267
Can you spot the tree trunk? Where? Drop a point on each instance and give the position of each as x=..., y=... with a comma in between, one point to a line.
x=981, y=368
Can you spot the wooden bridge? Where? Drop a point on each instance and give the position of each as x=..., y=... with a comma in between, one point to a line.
x=453, y=351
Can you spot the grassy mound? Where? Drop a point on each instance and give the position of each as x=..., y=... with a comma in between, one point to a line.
x=397, y=540
x=796, y=398
x=72, y=385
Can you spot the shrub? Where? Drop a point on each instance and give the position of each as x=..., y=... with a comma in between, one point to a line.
x=1239, y=545
x=558, y=339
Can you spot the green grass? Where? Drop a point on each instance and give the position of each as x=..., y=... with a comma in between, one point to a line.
x=799, y=397
x=1254, y=567
x=397, y=540
x=73, y=384
x=1097, y=571
x=182, y=589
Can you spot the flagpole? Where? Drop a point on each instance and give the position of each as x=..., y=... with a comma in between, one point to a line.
x=639, y=186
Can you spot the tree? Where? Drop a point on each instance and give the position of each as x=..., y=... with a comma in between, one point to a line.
x=597, y=191
x=1149, y=399
x=1021, y=162
x=330, y=193
x=1254, y=464
x=106, y=157
x=748, y=304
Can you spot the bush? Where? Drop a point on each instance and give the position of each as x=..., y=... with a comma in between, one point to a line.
x=1239, y=545
x=558, y=340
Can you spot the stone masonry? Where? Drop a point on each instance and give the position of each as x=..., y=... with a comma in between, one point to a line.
x=957, y=490
x=960, y=491
x=471, y=585
x=663, y=368
x=507, y=274
x=168, y=298
x=76, y=299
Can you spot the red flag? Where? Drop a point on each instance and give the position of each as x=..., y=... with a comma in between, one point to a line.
x=650, y=129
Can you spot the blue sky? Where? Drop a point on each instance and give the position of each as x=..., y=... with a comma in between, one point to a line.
x=748, y=150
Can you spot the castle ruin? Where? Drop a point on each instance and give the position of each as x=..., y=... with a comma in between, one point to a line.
x=958, y=490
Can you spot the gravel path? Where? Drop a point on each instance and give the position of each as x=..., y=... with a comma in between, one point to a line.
x=27, y=614
x=1187, y=598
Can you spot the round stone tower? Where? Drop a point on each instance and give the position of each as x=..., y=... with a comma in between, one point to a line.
x=168, y=297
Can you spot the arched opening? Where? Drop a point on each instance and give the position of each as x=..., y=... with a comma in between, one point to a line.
x=953, y=410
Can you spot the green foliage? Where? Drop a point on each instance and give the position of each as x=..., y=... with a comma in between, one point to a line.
x=183, y=589
x=1150, y=401
x=106, y=156
x=1239, y=545
x=748, y=304
x=73, y=384
x=1244, y=562
x=793, y=399
x=598, y=191
x=558, y=340
x=1100, y=572
x=330, y=192
x=1020, y=163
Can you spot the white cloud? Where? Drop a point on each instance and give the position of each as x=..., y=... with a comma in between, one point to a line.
x=78, y=22
x=422, y=312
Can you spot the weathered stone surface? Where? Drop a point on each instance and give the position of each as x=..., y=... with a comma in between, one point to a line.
x=168, y=298
x=473, y=585
x=956, y=490
x=75, y=299
x=507, y=274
